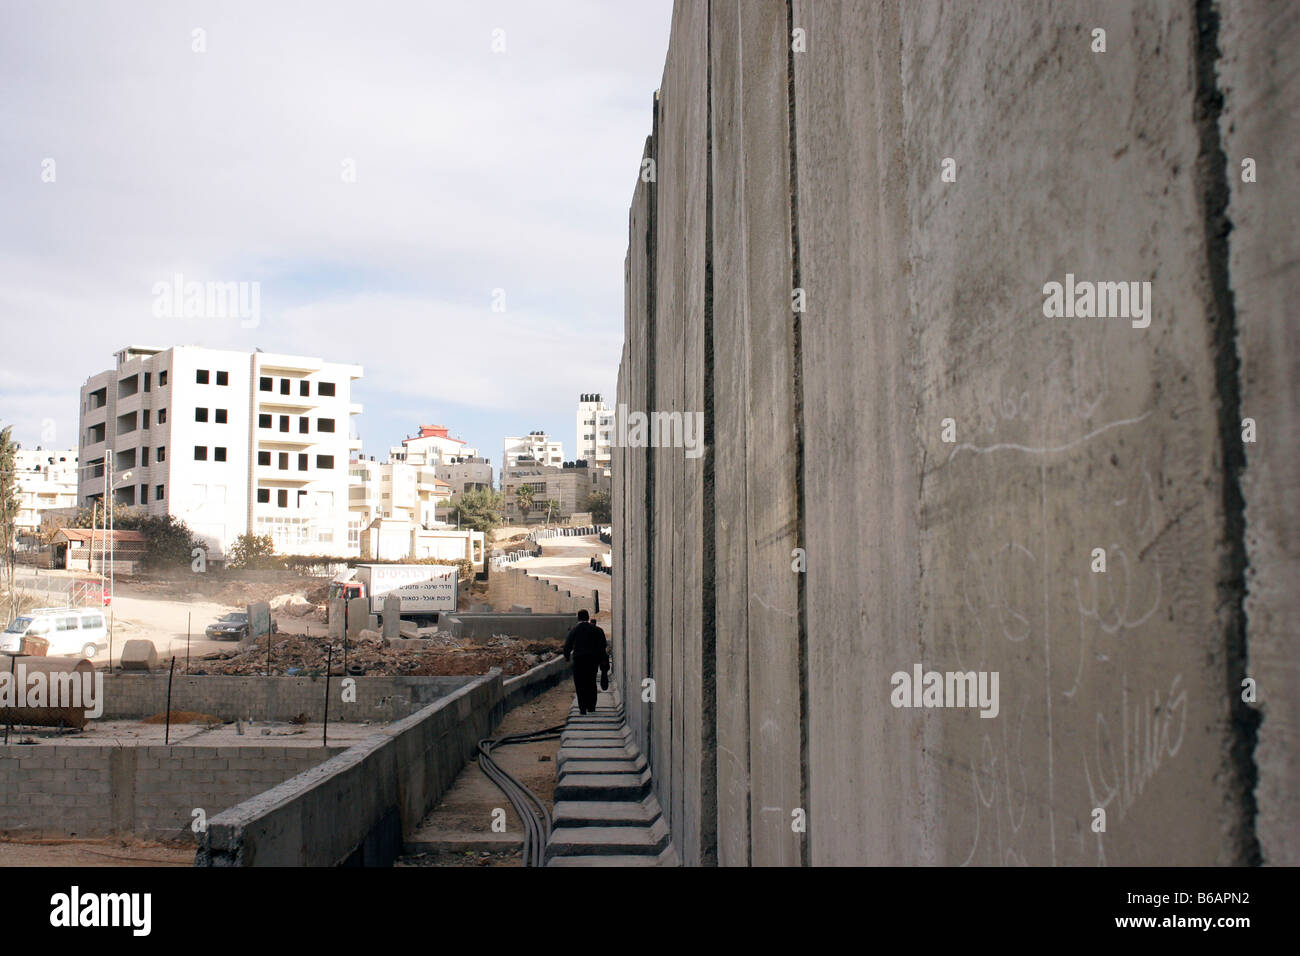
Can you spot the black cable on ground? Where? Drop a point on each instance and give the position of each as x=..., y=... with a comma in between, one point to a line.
x=531, y=810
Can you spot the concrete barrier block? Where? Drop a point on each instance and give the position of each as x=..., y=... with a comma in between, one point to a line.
x=358, y=616
x=139, y=655
x=392, y=616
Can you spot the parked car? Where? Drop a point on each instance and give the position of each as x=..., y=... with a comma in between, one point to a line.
x=232, y=627
x=71, y=631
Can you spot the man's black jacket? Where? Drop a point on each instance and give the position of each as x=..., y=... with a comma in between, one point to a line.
x=587, y=640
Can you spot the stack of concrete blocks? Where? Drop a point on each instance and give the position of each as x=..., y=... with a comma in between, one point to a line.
x=910, y=463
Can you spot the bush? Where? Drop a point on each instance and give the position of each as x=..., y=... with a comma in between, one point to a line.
x=254, y=551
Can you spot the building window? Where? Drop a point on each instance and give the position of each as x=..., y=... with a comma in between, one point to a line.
x=263, y=496
x=223, y=378
x=284, y=386
x=200, y=452
x=147, y=376
x=325, y=389
x=201, y=376
x=325, y=424
x=284, y=423
x=162, y=416
x=200, y=414
x=282, y=498
x=144, y=494
x=304, y=387
x=162, y=380
x=158, y=489
x=162, y=454
x=302, y=462
x=263, y=421
x=304, y=423
x=221, y=416
x=145, y=422
x=219, y=453
x=264, y=458
x=324, y=461
x=264, y=383
x=284, y=461
x=144, y=456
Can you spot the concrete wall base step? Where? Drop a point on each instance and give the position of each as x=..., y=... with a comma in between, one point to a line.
x=605, y=812
x=611, y=763
x=667, y=858
x=582, y=813
x=606, y=841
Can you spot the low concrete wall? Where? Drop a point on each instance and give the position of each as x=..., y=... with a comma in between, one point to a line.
x=522, y=689
x=273, y=698
x=535, y=627
x=355, y=808
x=149, y=792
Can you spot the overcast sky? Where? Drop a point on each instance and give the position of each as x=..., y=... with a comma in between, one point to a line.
x=475, y=170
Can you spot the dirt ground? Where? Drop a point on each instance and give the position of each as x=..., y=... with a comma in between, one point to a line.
x=107, y=852
x=307, y=656
x=458, y=832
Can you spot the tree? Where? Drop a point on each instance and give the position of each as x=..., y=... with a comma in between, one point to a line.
x=599, y=505
x=552, y=508
x=524, y=499
x=478, y=509
x=8, y=502
x=252, y=551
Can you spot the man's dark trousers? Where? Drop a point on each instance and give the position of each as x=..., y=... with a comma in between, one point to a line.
x=584, y=681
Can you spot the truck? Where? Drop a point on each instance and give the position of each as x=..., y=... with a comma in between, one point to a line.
x=425, y=590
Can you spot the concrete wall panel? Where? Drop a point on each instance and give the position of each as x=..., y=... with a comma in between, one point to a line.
x=863, y=458
x=1260, y=123
x=731, y=400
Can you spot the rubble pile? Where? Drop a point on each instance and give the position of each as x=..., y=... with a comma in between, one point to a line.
x=441, y=655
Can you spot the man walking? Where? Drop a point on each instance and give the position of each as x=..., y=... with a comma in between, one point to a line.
x=589, y=651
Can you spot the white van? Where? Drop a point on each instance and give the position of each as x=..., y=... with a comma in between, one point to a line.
x=71, y=631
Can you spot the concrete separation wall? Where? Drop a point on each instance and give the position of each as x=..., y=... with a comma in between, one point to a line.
x=843, y=259
x=355, y=808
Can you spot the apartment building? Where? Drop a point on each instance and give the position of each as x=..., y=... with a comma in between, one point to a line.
x=534, y=447
x=466, y=474
x=394, y=489
x=229, y=442
x=45, y=480
x=569, y=484
x=595, y=421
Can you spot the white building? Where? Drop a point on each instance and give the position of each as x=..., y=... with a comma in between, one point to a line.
x=395, y=489
x=45, y=480
x=228, y=442
x=536, y=446
x=432, y=446
x=595, y=420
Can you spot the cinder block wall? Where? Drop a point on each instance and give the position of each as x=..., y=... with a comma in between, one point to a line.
x=831, y=536
x=148, y=792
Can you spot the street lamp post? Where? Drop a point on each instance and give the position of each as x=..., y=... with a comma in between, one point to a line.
x=112, y=586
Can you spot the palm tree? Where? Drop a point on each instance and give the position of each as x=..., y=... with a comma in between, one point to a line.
x=552, y=507
x=524, y=499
